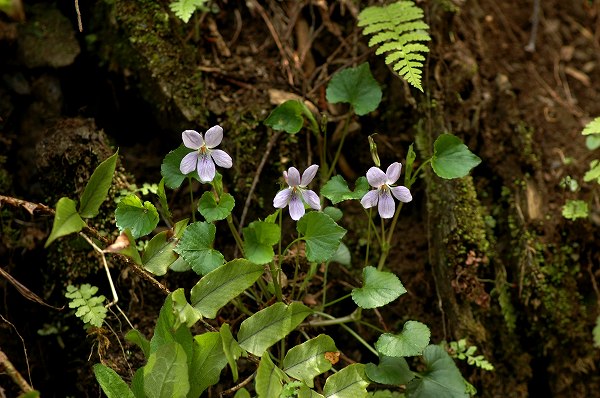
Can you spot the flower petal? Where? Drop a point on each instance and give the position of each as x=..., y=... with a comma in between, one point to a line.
x=393, y=172
x=296, y=207
x=206, y=168
x=387, y=207
x=189, y=163
x=308, y=175
x=221, y=158
x=311, y=199
x=192, y=139
x=213, y=136
x=293, y=177
x=376, y=177
x=282, y=198
x=370, y=199
x=401, y=193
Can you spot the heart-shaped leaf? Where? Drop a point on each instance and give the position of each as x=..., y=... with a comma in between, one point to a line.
x=213, y=211
x=357, y=87
x=287, y=117
x=259, y=238
x=140, y=218
x=411, y=341
x=391, y=370
x=451, y=158
x=321, y=234
x=196, y=248
x=169, y=168
x=379, y=288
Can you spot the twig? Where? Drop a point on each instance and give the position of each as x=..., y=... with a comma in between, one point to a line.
x=261, y=165
x=238, y=386
x=25, y=292
x=79, y=23
x=24, y=349
x=535, y=21
x=14, y=373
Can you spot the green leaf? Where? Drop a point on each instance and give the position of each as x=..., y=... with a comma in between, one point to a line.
x=592, y=142
x=452, y=158
x=213, y=211
x=180, y=265
x=207, y=363
x=220, y=286
x=32, y=393
x=574, y=209
x=379, y=288
x=231, y=348
x=90, y=308
x=140, y=218
x=411, y=341
x=357, y=87
x=306, y=392
x=125, y=245
x=169, y=168
x=307, y=360
x=185, y=8
x=162, y=199
x=242, y=393
x=391, y=370
x=596, y=333
x=350, y=382
x=96, y=190
x=441, y=379
x=594, y=172
x=159, y=253
x=136, y=337
x=321, y=234
x=196, y=248
x=287, y=117
x=268, y=326
x=259, y=238
x=66, y=220
x=592, y=127
x=333, y=212
x=111, y=383
x=137, y=383
x=342, y=255
x=166, y=373
x=184, y=313
x=269, y=378
x=165, y=331
x=336, y=189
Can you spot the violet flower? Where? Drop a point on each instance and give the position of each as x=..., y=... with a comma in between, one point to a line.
x=297, y=194
x=204, y=156
x=382, y=195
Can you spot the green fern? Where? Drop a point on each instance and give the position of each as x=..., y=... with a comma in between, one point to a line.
x=596, y=333
x=459, y=349
x=399, y=30
x=592, y=127
x=185, y=8
x=90, y=308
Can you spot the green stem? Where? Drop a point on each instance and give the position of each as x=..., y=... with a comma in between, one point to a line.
x=275, y=277
x=339, y=148
x=337, y=300
x=331, y=320
x=236, y=236
x=192, y=199
x=385, y=248
x=324, y=295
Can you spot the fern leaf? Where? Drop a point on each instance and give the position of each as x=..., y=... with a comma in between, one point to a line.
x=90, y=308
x=592, y=127
x=399, y=30
x=185, y=8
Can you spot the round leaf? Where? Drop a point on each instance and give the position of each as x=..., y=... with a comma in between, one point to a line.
x=213, y=211
x=259, y=238
x=287, y=117
x=391, y=370
x=379, y=288
x=336, y=189
x=169, y=168
x=141, y=219
x=410, y=342
x=357, y=87
x=452, y=158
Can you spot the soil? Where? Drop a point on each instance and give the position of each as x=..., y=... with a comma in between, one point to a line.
x=488, y=258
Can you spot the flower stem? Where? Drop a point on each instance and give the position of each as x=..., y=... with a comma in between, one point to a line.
x=339, y=148
x=192, y=199
x=337, y=300
x=236, y=236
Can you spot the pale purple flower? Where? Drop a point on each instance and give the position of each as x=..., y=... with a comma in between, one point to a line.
x=297, y=194
x=204, y=156
x=382, y=195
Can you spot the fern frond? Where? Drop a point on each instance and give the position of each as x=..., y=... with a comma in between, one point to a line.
x=592, y=127
x=90, y=308
x=185, y=8
x=398, y=29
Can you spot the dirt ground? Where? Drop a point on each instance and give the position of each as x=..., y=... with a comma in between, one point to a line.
x=510, y=274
